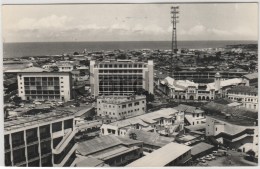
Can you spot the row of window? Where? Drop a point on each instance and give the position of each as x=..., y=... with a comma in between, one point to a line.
x=120, y=71
x=39, y=79
x=47, y=92
x=122, y=113
x=119, y=89
x=121, y=65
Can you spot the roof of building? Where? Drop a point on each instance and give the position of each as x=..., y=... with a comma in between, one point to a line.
x=102, y=143
x=166, y=113
x=120, y=99
x=239, y=116
x=244, y=89
x=188, y=109
x=234, y=104
x=89, y=162
x=251, y=76
x=37, y=119
x=200, y=147
x=162, y=156
x=178, y=84
x=33, y=69
x=150, y=138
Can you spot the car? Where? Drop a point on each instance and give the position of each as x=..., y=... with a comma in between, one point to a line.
x=203, y=161
x=208, y=158
x=213, y=157
x=214, y=152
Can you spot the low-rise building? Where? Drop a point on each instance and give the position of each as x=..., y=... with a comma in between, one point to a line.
x=231, y=135
x=247, y=95
x=165, y=122
x=193, y=115
x=112, y=150
x=172, y=154
x=201, y=149
x=151, y=140
x=251, y=79
x=40, y=140
x=121, y=107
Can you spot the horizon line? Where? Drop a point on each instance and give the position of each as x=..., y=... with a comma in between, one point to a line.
x=127, y=41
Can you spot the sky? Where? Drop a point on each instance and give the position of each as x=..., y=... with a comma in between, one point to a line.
x=128, y=22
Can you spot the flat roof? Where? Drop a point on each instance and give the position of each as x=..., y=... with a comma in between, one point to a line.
x=162, y=156
x=200, y=147
x=31, y=120
x=166, y=113
x=150, y=138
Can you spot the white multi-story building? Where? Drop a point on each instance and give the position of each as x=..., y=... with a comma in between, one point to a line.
x=41, y=140
x=193, y=116
x=38, y=84
x=121, y=77
x=247, y=95
x=240, y=137
x=188, y=90
x=165, y=121
x=121, y=107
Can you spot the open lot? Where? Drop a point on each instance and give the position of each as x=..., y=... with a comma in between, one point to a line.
x=233, y=159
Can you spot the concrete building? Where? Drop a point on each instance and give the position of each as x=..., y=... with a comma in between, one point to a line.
x=193, y=116
x=240, y=137
x=151, y=140
x=110, y=150
x=172, y=154
x=165, y=122
x=38, y=84
x=251, y=79
x=121, y=77
x=246, y=95
x=188, y=90
x=121, y=107
x=40, y=140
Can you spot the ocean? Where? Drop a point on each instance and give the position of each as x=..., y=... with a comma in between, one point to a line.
x=12, y=50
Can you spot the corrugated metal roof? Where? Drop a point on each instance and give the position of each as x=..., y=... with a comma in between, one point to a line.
x=162, y=156
x=199, y=148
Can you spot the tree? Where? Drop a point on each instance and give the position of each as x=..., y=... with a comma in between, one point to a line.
x=133, y=136
x=76, y=53
x=122, y=56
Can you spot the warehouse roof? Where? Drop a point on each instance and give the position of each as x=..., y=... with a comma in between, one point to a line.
x=162, y=156
x=200, y=147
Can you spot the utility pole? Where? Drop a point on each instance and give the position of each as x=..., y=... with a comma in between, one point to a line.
x=174, y=17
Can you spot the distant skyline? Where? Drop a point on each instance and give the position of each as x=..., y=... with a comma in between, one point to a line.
x=128, y=22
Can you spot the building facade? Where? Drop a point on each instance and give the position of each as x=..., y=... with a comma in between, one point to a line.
x=246, y=95
x=165, y=122
x=121, y=107
x=121, y=77
x=41, y=140
x=188, y=90
x=42, y=85
x=244, y=138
